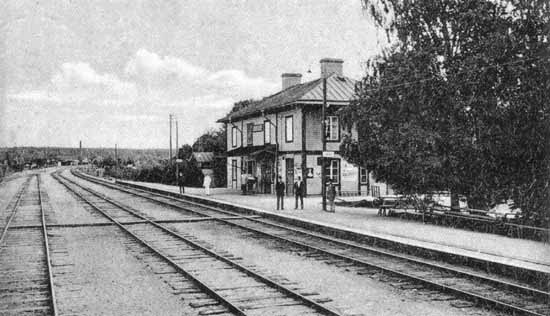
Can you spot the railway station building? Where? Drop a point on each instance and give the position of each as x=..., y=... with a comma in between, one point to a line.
x=281, y=135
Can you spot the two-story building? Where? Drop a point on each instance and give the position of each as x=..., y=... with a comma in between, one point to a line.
x=282, y=135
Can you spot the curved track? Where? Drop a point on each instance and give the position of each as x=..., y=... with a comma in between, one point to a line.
x=478, y=288
x=237, y=289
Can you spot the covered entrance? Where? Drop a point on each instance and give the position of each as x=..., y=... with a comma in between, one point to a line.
x=289, y=163
x=265, y=159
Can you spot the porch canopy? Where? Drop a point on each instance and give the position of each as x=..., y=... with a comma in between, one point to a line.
x=263, y=152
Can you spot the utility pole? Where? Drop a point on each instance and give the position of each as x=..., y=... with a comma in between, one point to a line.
x=324, y=136
x=177, y=152
x=116, y=160
x=170, y=157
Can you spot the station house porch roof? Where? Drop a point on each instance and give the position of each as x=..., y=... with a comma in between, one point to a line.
x=340, y=89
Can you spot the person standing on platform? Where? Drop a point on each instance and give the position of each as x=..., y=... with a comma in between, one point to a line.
x=299, y=192
x=181, y=183
x=206, y=184
x=331, y=195
x=280, y=190
x=244, y=178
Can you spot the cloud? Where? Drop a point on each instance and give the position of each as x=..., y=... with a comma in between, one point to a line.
x=35, y=96
x=147, y=65
x=178, y=76
x=80, y=78
x=134, y=104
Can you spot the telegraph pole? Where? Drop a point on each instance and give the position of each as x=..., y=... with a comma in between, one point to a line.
x=323, y=137
x=177, y=152
x=116, y=160
x=170, y=157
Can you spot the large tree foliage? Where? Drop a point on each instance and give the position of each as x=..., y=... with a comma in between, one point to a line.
x=460, y=102
x=213, y=140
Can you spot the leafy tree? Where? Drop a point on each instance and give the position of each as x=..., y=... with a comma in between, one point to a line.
x=459, y=101
x=212, y=141
x=191, y=172
x=241, y=105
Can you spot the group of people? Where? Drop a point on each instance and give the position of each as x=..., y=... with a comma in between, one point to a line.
x=280, y=188
x=206, y=182
x=299, y=191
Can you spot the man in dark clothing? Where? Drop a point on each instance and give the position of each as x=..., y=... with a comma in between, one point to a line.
x=331, y=195
x=280, y=189
x=299, y=192
x=181, y=183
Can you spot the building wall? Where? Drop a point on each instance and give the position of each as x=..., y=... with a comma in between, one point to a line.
x=296, y=144
x=230, y=126
x=230, y=183
x=349, y=173
x=313, y=132
x=258, y=137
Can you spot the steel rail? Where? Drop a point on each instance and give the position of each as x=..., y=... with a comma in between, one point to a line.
x=53, y=302
x=157, y=252
x=467, y=274
x=284, y=289
x=24, y=188
x=426, y=282
x=96, y=224
x=461, y=293
x=530, y=291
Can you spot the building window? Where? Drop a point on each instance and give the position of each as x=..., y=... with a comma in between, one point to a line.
x=234, y=169
x=250, y=167
x=332, y=129
x=267, y=132
x=332, y=171
x=234, y=136
x=249, y=134
x=289, y=129
x=363, y=176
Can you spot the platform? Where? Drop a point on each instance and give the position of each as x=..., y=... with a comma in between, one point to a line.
x=483, y=247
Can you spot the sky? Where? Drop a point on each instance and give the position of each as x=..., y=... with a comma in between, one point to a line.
x=111, y=71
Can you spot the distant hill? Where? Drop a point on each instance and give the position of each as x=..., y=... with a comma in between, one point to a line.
x=28, y=154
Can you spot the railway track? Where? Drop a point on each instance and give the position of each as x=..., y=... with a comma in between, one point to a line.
x=478, y=288
x=26, y=282
x=231, y=287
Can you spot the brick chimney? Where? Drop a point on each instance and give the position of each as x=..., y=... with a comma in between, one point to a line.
x=291, y=79
x=331, y=66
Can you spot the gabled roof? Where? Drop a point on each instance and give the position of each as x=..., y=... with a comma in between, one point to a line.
x=339, y=89
x=203, y=156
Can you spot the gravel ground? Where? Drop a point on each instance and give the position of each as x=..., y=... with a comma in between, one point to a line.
x=95, y=275
x=352, y=293
x=65, y=208
x=146, y=207
x=93, y=270
x=8, y=189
